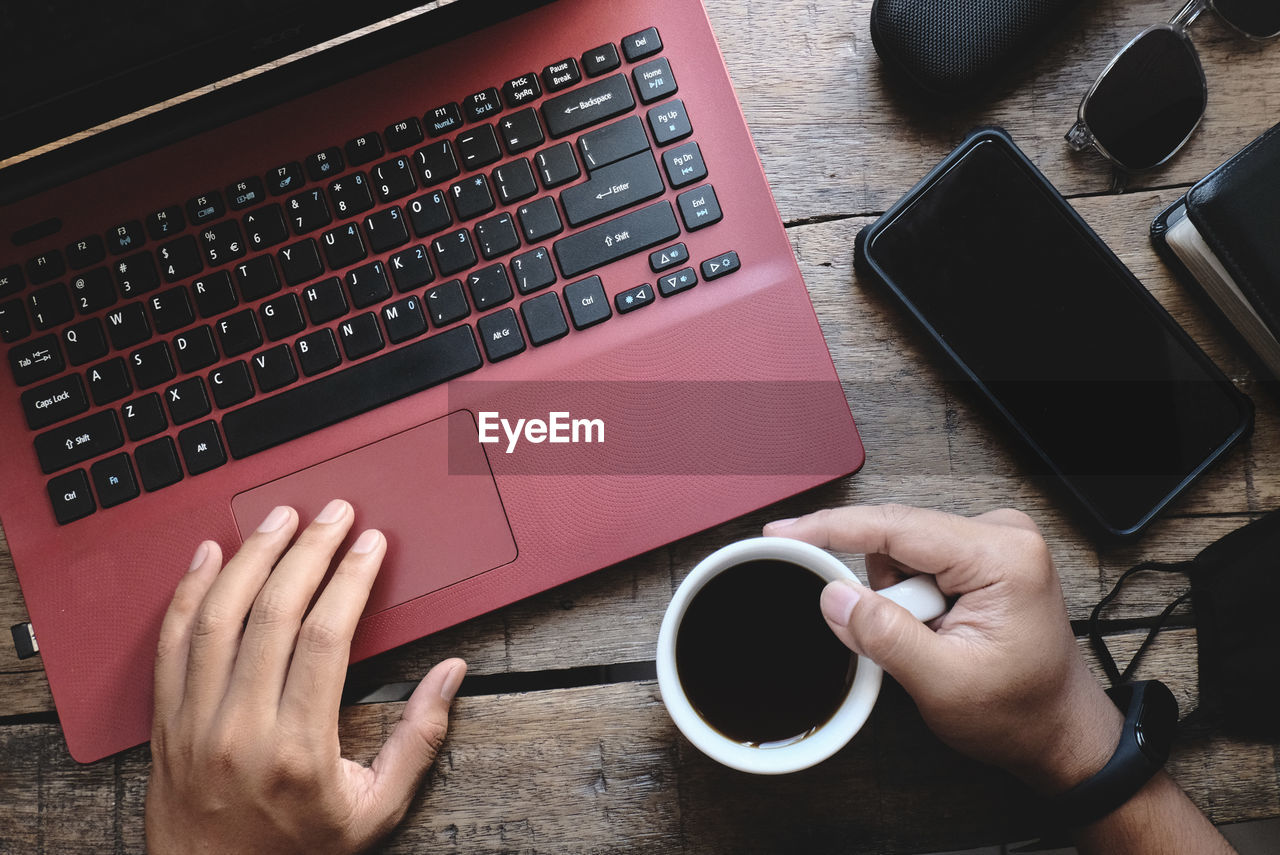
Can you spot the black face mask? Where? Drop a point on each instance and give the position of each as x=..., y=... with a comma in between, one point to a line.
x=1235, y=594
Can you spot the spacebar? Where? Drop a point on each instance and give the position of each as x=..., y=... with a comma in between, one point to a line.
x=350, y=392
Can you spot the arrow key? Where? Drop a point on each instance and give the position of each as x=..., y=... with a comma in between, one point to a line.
x=668, y=257
x=633, y=298
x=721, y=265
x=674, y=283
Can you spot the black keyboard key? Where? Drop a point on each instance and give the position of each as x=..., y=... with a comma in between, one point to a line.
x=478, y=147
x=195, y=349
x=300, y=262
x=187, y=400
x=497, y=236
x=171, y=309
x=114, y=481
x=92, y=290
x=265, y=226
x=71, y=497
x=166, y=222
x=489, y=286
x=152, y=365
x=544, y=319
x=411, y=269
x=126, y=237
x=360, y=336
x=11, y=278
x=35, y=360
x=561, y=75
x=46, y=267
x=514, y=181
x=613, y=142
x=246, y=193
x=274, y=368
x=443, y=119
x=206, y=208
x=109, y=381
x=674, y=283
x=85, y=341
x=600, y=60
x=317, y=352
x=404, y=319
x=50, y=306
x=668, y=257
x=13, y=321
x=617, y=238
x=78, y=441
x=633, y=298
x=282, y=317
x=684, y=164
x=128, y=326
x=669, y=122
x=343, y=246
x=222, y=242
x=521, y=131
x=611, y=188
x=654, y=80
x=429, y=214
x=324, y=164
x=364, y=148
x=55, y=401
x=136, y=274
x=587, y=303
x=325, y=300
x=86, y=251
x=231, y=384
x=557, y=165
x=521, y=90
x=386, y=229
x=699, y=207
x=351, y=195
x=214, y=294
x=180, y=259
x=721, y=265
x=202, y=447
x=587, y=105
x=354, y=390
x=639, y=45
x=308, y=211
x=532, y=270
x=143, y=417
x=393, y=179
x=436, y=163
x=157, y=464
x=368, y=285
x=539, y=219
x=500, y=334
x=257, y=278
x=481, y=105
x=404, y=134
x=285, y=179
x=453, y=252
x=238, y=333
x=447, y=303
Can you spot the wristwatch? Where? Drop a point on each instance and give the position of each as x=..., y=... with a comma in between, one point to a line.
x=1150, y=720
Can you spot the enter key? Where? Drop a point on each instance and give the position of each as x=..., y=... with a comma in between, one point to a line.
x=612, y=188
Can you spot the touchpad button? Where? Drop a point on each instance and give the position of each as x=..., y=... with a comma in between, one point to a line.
x=442, y=525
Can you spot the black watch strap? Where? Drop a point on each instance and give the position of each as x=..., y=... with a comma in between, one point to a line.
x=1151, y=717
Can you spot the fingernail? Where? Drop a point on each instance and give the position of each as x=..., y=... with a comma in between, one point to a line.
x=332, y=512
x=367, y=542
x=202, y=552
x=783, y=523
x=452, y=681
x=274, y=520
x=838, y=600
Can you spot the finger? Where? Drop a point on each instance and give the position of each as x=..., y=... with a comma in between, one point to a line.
x=883, y=571
x=175, y=630
x=416, y=740
x=272, y=630
x=313, y=687
x=1008, y=517
x=215, y=636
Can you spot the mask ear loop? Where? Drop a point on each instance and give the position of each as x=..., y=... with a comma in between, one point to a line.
x=1095, y=631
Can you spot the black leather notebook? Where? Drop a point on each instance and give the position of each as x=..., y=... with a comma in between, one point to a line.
x=1224, y=235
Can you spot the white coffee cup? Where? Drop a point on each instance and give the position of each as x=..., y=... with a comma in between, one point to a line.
x=919, y=595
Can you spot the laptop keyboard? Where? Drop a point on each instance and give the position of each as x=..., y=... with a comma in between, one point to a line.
x=355, y=276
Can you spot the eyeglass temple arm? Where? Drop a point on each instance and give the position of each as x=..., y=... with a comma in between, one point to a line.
x=1185, y=18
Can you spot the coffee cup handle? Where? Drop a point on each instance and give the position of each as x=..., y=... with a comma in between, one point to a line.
x=918, y=595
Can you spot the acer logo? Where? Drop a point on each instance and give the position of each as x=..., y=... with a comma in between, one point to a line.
x=276, y=38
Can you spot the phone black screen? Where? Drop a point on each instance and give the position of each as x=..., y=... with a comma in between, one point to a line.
x=1090, y=370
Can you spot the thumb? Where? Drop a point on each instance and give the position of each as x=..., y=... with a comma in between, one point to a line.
x=883, y=631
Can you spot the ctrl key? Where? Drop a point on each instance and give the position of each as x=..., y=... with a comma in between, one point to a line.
x=71, y=497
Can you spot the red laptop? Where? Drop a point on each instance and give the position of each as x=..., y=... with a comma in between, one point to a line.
x=506, y=275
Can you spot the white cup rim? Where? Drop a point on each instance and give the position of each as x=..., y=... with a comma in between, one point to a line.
x=813, y=749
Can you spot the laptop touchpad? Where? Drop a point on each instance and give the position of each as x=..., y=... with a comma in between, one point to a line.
x=442, y=524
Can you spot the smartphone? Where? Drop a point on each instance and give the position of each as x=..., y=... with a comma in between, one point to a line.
x=1086, y=366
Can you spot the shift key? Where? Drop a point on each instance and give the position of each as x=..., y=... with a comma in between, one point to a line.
x=78, y=441
x=616, y=238
x=586, y=105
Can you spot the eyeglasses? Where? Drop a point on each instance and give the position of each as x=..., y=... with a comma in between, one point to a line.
x=1148, y=101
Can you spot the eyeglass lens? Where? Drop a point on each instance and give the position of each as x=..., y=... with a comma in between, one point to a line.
x=1257, y=18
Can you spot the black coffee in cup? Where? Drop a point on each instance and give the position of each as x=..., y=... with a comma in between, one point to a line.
x=755, y=657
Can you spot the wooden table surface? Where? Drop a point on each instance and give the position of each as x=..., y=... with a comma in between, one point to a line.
x=560, y=743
